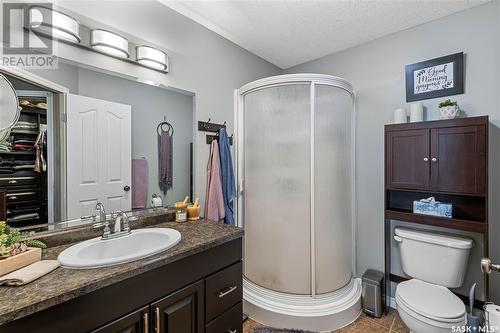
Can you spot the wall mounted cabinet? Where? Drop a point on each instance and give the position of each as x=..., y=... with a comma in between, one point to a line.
x=444, y=159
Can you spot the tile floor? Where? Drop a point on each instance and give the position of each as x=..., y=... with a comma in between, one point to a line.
x=389, y=323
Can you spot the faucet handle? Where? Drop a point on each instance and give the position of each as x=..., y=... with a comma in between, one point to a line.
x=106, y=232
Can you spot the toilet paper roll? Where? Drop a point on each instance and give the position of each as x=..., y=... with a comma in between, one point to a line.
x=400, y=116
x=156, y=202
x=493, y=315
x=416, y=112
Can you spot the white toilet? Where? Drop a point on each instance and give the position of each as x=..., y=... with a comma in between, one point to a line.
x=436, y=262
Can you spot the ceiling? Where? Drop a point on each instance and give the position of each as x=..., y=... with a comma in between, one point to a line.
x=288, y=33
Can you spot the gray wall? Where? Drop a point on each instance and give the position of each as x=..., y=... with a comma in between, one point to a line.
x=149, y=105
x=202, y=62
x=376, y=70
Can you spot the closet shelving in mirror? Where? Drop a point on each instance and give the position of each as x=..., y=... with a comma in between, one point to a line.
x=23, y=191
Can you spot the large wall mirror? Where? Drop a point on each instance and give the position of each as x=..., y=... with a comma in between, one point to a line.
x=105, y=138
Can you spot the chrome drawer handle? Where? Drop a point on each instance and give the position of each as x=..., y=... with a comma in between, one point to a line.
x=232, y=331
x=12, y=181
x=12, y=198
x=227, y=292
x=145, y=322
x=157, y=320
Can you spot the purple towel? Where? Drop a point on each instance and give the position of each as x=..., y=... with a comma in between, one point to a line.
x=140, y=177
x=214, y=200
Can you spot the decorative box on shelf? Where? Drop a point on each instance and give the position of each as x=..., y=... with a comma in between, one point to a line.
x=432, y=207
x=10, y=264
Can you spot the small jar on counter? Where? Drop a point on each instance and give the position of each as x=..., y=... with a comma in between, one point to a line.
x=181, y=214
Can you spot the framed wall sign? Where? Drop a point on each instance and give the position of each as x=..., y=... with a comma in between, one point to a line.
x=435, y=78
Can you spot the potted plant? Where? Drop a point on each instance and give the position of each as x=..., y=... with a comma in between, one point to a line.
x=16, y=252
x=448, y=109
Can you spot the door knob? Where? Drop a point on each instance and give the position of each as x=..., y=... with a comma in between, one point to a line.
x=487, y=267
x=126, y=188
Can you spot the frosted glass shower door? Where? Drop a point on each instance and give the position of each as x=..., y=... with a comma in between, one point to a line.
x=332, y=188
x=277, y=188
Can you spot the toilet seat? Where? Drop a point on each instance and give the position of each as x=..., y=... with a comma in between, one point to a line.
x=430, y=303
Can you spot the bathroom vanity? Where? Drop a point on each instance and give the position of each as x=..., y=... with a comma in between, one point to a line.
x=196, y=286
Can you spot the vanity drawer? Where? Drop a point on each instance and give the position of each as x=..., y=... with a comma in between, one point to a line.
x=21, y=196
x=16, y=181
x=230, y=321
x=223, y=290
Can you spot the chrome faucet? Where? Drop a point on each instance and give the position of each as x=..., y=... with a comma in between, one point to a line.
x=121, y=226
x=102, y=220
x=102, y=212
x=120, y=223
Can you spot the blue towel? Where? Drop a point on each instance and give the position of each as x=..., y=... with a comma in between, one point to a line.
x=227, y=175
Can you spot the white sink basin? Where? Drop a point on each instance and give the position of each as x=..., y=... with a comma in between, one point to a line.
x=141, y=243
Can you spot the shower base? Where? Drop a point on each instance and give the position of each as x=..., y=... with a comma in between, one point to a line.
x=326, y=312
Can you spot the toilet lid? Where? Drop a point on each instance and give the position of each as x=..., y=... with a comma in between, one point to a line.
x=430, y=300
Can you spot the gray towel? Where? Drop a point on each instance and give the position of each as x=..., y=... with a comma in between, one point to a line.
x=165, y=161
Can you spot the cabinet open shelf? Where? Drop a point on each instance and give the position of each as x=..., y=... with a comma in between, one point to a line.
x=452, y=223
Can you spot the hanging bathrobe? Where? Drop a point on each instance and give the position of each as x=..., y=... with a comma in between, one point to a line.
x=227, y=173
x=214, y=200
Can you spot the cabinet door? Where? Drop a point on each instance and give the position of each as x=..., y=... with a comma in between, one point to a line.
x=407, y=159
x=181, y=312
x=458, y=159
x=136, y=322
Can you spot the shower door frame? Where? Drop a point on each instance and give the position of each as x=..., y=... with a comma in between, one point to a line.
x=280, y=80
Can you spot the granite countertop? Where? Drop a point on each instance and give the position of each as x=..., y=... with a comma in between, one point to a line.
x=63, y=284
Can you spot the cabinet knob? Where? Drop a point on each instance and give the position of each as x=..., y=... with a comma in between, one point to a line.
x=426, y=159
x=434, y=159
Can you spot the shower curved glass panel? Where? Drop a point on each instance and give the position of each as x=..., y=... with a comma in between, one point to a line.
x=294, y=167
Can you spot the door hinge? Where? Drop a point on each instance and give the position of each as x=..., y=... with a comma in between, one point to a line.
x=64, y=117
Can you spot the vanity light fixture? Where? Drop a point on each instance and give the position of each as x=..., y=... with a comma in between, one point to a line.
x=151, y=57
x=53, y=23
x=110, y=43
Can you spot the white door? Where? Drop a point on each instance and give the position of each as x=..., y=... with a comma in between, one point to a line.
x=99, y=155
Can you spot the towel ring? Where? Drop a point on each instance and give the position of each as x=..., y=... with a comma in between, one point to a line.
x=160, y=128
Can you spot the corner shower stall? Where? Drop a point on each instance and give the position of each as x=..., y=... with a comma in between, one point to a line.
x=295, y=162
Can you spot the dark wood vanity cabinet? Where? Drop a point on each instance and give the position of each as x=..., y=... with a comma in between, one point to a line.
x=181, y=312
x=135, y=322
x=200, y=293
x=443, y=156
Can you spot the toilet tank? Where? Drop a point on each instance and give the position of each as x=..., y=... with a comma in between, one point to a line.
x=433, y=257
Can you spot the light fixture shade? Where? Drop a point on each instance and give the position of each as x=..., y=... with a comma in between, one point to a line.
x=151, y=57
x=109, y=43
x=54, y=24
